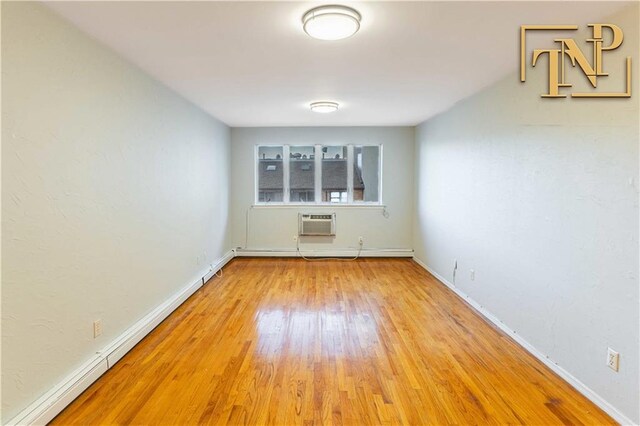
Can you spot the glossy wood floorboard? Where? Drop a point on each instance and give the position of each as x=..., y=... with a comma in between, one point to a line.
x=287, y=342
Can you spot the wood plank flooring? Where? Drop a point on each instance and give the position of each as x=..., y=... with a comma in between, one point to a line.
x=287, y=342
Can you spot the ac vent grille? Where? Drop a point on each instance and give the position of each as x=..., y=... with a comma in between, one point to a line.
x=317, y=224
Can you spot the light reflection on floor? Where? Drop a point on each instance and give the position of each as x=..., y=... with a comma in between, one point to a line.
x=299, y=332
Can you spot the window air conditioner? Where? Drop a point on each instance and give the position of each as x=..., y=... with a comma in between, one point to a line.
x=317, y=224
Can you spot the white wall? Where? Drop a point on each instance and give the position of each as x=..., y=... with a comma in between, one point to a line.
x=274, y=227
x=540, y=198
x=114, y=196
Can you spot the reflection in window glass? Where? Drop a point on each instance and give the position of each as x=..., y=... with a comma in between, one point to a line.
x=366, y=175
x=270, y=174
x=334, y=174
x=301, y=174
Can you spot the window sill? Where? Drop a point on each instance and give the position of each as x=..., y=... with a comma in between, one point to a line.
x=318, y=205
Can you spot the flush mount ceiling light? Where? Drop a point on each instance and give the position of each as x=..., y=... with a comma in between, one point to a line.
x=331, y=22
x=324, y=107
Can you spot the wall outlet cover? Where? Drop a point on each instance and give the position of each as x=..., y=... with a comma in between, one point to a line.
x=97, y=328
x=613, y=359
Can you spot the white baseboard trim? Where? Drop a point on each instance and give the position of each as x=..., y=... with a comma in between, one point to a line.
x=324, y=253
x=126, y=341
x=215, y=267
x=45, y=408
x=568, y=377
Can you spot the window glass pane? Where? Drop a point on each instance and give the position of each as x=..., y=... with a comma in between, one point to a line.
x=301, y=174
x=334, y=174
x=366, y=176
x=270, y=174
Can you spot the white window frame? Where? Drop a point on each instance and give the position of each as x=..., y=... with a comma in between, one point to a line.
x=318, y=176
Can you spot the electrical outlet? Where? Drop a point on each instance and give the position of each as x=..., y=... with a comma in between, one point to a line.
x=97, y=328
x=613, y=359
x=472, y=274
x=295, y=238
x=361, y=240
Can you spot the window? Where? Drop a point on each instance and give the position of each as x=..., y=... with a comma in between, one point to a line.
x=334, y=174
x=366, y=176
x=338, y=197
x=319, y=174
x=271, y=174
x=302, y=174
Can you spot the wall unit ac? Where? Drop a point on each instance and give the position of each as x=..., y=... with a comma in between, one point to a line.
x=317, y=224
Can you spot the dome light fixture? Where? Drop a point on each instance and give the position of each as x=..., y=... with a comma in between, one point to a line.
x=331, y=22
x=324, y=107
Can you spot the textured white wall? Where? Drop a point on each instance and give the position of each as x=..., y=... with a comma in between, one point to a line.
x=274, y=227
x=540, y=198
x=114, y=196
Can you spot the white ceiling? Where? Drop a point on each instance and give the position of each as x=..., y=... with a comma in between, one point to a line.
x=250, y=63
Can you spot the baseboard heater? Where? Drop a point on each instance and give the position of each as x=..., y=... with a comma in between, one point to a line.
x=316, y=224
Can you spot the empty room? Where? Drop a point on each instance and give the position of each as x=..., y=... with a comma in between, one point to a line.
x=303, y=213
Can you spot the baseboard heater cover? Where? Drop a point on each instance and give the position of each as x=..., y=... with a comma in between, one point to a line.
x=347, y=252
x=553, y=366
x=49, y=405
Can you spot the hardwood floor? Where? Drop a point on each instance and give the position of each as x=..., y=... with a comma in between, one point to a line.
x=285, y=341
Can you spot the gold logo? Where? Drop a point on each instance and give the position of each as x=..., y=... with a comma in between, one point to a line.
x=568, y=47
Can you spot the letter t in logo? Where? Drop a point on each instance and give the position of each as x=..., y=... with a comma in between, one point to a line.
x=554, y=55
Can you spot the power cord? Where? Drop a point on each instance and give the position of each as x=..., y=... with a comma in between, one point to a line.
x=315, y=259
x=216, y=273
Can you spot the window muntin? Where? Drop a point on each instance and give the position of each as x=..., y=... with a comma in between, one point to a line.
x=319, y=174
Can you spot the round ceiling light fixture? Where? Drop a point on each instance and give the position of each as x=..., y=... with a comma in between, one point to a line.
x=324, y=107
x=331, y=22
